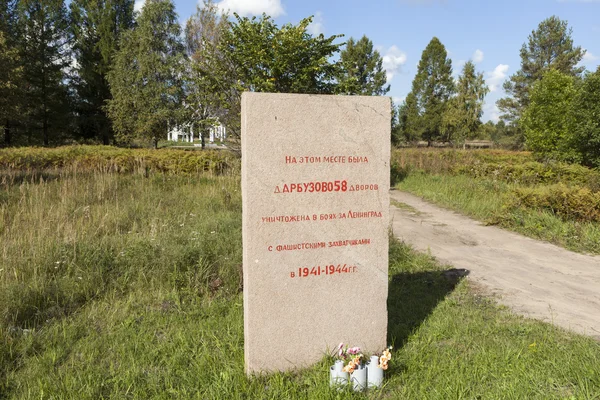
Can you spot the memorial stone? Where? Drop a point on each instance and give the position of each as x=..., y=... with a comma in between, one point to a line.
x=315, y=194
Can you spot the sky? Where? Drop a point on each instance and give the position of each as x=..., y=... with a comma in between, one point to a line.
x=490, y=33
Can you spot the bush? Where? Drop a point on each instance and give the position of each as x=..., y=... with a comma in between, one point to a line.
x=114, y=159
x=500, y=165
x=531, y=173
x=570, y=203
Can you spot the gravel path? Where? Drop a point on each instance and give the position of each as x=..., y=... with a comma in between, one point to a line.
x=533, y=278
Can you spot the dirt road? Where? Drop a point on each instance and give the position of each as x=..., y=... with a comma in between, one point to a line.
x=534, y=278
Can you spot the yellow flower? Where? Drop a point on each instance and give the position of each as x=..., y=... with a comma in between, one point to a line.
x=350, y=367
x=387, y=354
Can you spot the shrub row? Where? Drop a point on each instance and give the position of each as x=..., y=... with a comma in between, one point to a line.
x=447, y=160
x=114, y=159
x=531, y=173
x=506, y=166
x=571, y=203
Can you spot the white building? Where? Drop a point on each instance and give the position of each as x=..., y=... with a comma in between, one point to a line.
x=185, y=133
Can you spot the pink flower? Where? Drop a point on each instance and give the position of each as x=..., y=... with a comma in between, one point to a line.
x=354, y=350
x=340, y=349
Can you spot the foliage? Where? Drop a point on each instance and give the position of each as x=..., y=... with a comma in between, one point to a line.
x=11, y=71
x=287, y=59
x=34, y=161
x=431, y=89
x=569, y=203
x=408, y=115
x=96, y=26
x=547, y=120
x=550, y=46
x=586, y=120
x=498, y=165
x=10, y=84
x=462, y=117
x=491, y=201
x=204, y=98
x=43, y=27
x=254, y=54
x=146, y=82
x=361, y=71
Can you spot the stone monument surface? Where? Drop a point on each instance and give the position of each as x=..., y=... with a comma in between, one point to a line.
x=315, y=195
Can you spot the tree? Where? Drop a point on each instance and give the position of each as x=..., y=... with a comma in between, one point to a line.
x=462, y=117
x=204, y=32
x=257, y=55
x=11, y=71
x=432, y=87
x=361, y=71
x=97, y=26
x=550, y=46
x=44, y=50
x=547, y=121
x=146, y=81
x=586, y=120
x=407, y=113
x=280, y=60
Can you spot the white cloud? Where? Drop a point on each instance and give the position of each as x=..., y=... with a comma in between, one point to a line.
x=316, y=26
x=398, y=100
x=491, y=112
x=393, y=60
x=137, y=6
x=477, y=56
x=589, y=57
x=272, y=8
x=495, y=78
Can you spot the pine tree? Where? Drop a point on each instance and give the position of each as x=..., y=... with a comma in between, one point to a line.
x=10, y=71
x=550, y=46
x=361, y=71
x=43, y=29
x=462, y=117
x=146, y=81
x=97, y=26
x=432, y=87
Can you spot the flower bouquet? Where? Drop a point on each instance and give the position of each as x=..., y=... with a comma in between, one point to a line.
x=349, y=366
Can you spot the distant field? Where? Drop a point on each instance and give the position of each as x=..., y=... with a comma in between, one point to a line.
x=127, y=284
x=556, y=202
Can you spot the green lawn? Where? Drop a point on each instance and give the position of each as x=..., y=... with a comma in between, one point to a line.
x=125, y=286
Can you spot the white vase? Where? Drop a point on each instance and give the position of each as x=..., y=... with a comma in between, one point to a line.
x=359, y=378
x=374, y=373
x=337, y=377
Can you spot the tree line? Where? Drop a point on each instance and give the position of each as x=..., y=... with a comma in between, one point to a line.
x=97, y=71
x=552, y=105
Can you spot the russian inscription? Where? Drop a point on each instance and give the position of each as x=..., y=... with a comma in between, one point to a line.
x=315, y=182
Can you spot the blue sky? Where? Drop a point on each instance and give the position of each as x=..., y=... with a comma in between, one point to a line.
x=488, y=32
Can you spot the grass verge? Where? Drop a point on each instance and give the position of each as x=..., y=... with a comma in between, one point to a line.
x=486, y=200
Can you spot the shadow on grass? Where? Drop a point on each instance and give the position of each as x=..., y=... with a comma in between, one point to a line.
x=413, y=296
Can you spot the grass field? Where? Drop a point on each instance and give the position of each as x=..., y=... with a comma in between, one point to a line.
x=128, y=285
x=493, y=196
